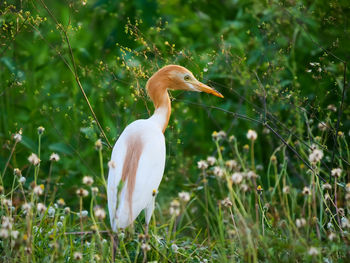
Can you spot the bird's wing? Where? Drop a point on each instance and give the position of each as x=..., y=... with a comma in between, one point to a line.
x=141, y=165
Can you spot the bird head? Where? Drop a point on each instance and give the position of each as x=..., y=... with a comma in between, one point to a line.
x=175, y=77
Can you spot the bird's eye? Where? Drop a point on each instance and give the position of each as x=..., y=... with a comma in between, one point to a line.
x=187, y=78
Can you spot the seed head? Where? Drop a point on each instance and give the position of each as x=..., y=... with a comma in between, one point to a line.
x=41, y=130
x=336, y=172
x=88, y=180
x=237, y=178
x=202, y=165
x=111, y=164
x=100, y=213
x=218, y=171
x=231, y=164
x=313, y=251
x=82, y=192
x=54, y=157
x=34, y=159
x=211, y=160
x=226, y=202
x=252, y=135
x=41, y=208
x=98, y=145
x=17, y=137
x=77, y=256
x=306, y=191
x=184, y=196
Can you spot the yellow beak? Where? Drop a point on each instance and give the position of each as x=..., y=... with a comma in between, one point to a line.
x=202, y=87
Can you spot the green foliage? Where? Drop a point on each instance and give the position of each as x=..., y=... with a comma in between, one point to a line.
x=280, y=66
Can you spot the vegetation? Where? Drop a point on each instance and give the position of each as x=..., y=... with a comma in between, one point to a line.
x=261, y=175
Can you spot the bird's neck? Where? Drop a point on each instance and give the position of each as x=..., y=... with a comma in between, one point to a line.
x=162, y=110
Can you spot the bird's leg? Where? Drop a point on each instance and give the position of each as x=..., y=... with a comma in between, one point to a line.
x=115, y=242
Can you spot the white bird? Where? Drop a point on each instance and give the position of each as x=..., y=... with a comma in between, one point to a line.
x=138, y=158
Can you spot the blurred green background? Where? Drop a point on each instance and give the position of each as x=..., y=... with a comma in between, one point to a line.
x=295, y=49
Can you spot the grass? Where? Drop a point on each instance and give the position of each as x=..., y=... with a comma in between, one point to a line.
x=227, y=215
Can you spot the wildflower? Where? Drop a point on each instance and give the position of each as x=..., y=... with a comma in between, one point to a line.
x=330, y=225
x=41, y=207
x=145, y=247
x=326, y=187
x=231, y=164
x=218, y=171
x=246, y=147
x=94, y=190
x=4, y=233
x=174, y=208
x=211, y=160
x=26, y=207
x=39, y=189
x=154, y=192
x=259, y=189
x=51, y=212
x=59, y=224
x=41, y=130
x=14, y=234
x=313, y=251
x=322, y=126
x=6, y=222
x=306, y=191
x=34, y=159
x=226, y=202
x=82, y=192
x=327, y=196
x=61, y=202
x=100, y=213
x=331, y=107
x=345, y=222
x=218, y=135
x=17, y=172
x=340, y=134
x=252, y=135
x=286, y=190
x=174, y=248
x=67, y=210
x=252, y=175
x=347, y=187
x=111, y=164
x=54, y=157
x=332, y=236
x=244, y=187
x=184, y=196
x=17, y=137
x=88, y=180
x=237, y=178
x=83, y=213
x=98, y=145
x=6, y=202
x=300, y=222
x=315, y=156
x=22, y=180
x=202, y=165
x=336, y=172
x=77, y=256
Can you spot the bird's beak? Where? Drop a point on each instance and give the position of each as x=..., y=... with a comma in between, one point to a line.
x=202, y=87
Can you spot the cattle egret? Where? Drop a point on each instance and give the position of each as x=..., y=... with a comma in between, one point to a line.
x=138, y=158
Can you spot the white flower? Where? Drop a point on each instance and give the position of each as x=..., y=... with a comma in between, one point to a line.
x=306, y=191
x=286, y=190
x=6, y=202
x=17, y=172
x=26, y=207
x=226, y=202
x=174, y=208
x=332, y=107
x=300, y=222
x=211, y=160
x=22, y=180
x=336, y=172
x=39, y=189
x=202, y=165
x=83, y=213
x=184, y=196
x=98, y=144
x=100, y=213
x=111, y=164
x=67, y=210
x=54, y=157
x=61, y=202
x=326, y=186
x=14, y=234
x=94, y=190
x=41, y=129
x=145, y=247
x=41, y=207
x=59, y=224
x=218, y=135
x=51, y=212
x=252, y=175
x=252, y=135
x=77, y=256
x=237, y=178
x=17, y=137
x=174, y=248
x=4, y=233
x=218, y=171
x=345, y=222
x=322, y=126
x=315, y=156
x=244, y=187
x=313, y=251
x=82, y=192
x=88, y=180
x=34, y=159
x=332, y=236
x=6, y=222
x=231, y=164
